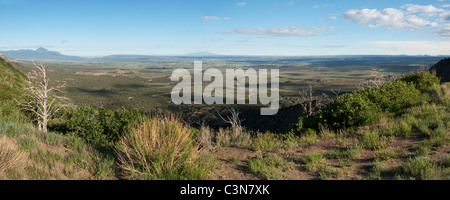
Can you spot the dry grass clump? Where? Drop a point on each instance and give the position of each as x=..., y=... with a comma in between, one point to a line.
x=11, y=157
x=162, y=148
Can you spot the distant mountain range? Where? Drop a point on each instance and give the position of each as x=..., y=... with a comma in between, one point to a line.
x=42, y=54
x=39, y=54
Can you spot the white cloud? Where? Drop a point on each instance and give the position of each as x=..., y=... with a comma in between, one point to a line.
x=445, y=5
x=293, y=31
x=445, y=15
x=364, y=16
x=242, y=4
x=413, y=47
x=210, y=18
x=429, y=10
x=444, y=33
x=390, y=17
x=214, y=18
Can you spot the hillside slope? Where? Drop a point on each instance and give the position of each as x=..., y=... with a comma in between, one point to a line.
x=442, y=69
x=28, y=154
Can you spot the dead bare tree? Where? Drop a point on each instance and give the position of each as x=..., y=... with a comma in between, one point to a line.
x=336, y=92
x=309, y=101
x=234, y=120
x=44, y=102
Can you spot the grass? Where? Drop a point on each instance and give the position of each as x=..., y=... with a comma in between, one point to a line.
x=270, y=167
x=76, y=143
x=27, y=143
x=104, y=168
x=378, y=169
x=385, y=154
x=314, y=161
x=162, y=149
x=346, y=153
x=29, y=154
x=11, y=157
x=372, y=140
x=265, y=141
x=419, y=168
x=232, y=159
x=47, y=158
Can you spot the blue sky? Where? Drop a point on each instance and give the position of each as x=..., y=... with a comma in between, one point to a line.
x=229, y=27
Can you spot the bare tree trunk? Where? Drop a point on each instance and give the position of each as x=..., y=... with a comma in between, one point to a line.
x=309, y=101
x=44, y=104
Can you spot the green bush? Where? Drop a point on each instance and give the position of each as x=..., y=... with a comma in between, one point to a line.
x=372, y=140
x=422, y=81
x=420, y=168
x=265, y=141
x=350, y=110
x=100, y=125
x=405, y=129
x=394, y=97
x=365, y=107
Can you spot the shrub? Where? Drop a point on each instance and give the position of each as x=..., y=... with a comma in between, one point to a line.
x=420, y=168
x=422, y=150
x=364, y=107
x=405, y=128
x=372, y=140
x=394, y=96
x=265, y=141
x=350, y=110
x=422, y=81
x=385, y=155
x=101, y=125
x=162, y=149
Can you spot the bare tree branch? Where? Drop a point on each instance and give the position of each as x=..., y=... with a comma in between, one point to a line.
x=309, y=101
x=234, y=120
x=44, y=103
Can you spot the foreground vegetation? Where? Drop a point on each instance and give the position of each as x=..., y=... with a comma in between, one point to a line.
x=399, y=130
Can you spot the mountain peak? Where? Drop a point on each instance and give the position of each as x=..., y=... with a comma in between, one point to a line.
x=38, y=54
x=41, y=50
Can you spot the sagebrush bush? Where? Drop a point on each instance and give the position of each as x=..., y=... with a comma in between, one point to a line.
x=420, y=168
x=162, y=149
